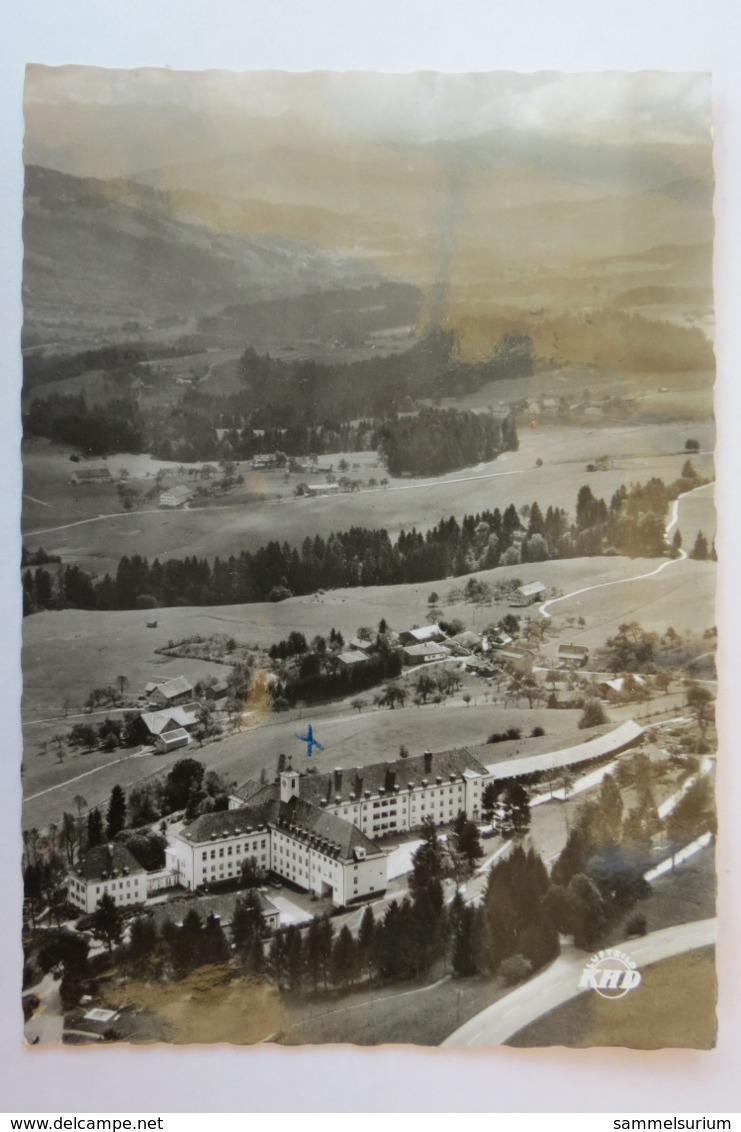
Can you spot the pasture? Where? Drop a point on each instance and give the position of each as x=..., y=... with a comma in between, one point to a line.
x=54, y=519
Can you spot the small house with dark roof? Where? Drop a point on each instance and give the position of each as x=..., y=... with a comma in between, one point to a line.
x=572, y=656
x=352, y=660
x=217, y=691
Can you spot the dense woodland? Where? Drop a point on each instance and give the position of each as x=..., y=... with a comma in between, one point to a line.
x=632, y=523
x=299, y=407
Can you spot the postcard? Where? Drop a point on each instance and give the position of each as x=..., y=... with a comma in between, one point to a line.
x=369, y=559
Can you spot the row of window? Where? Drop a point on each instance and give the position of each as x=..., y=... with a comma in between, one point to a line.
x=236, y=848
x=111, y=886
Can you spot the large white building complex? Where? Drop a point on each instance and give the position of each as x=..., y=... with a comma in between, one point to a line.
x=291, y=837
x=320, y=831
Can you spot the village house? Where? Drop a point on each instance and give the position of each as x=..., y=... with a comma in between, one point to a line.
x=176, y=496
x=217, y=691
x=169, y=692
x=424, y=653
x=527, y=594
x=316, y=489
x=423, y=636
x=170, y=719
x=572, y=656
x=352, y=660
x=98, y=474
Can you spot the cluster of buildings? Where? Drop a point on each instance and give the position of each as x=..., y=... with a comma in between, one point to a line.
x=321, y=832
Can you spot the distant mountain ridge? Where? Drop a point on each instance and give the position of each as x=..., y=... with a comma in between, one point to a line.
x=104, y=252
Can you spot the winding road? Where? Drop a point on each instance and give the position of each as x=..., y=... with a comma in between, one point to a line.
x=682, y=556
x=560, y=982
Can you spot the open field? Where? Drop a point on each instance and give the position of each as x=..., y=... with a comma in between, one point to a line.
x=637, y=453
x=674, y=397
x=674, y=1007
x=98, y=646
x=350, y=739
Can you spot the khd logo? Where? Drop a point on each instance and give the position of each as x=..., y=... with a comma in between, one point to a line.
x=611, y=973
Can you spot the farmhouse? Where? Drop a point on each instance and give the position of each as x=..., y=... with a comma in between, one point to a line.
x=217, y=691
x=98, y=474
x=572, y=656
x=526, y=595
x=358, y=645
x=315, y=489
x=421, y=636
x=298, y=840
x=170, y=719
x=423, y=654
x=176, y=496
x=352, y=660
x=169, y=692
x=264, y=463
x=631, y=684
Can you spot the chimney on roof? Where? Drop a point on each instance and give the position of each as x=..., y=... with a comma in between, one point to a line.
x=428, y=762
x=338, y=778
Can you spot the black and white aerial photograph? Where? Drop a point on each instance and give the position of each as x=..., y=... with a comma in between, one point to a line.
x=368, y=559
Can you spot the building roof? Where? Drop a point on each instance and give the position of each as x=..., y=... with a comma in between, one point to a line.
x=230, y=823
x=177, y=734
x=426, y=633
x=323, y=486
x=625, y=735
x=101, y=472
x=221, y=687
x=531, y=588
x=169, y=718
x=573, y=650
x=220, y=904
x=297, y=816
x=468, y=639
x=618, y=684
x=303, y=818
x=182, y=491
x=353, y=656
x=429, y=648
x=361, y=646
x=101, y=862
x=386, y=776
x=178, y=686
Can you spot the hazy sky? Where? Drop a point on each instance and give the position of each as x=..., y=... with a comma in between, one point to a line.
x=609, y=106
